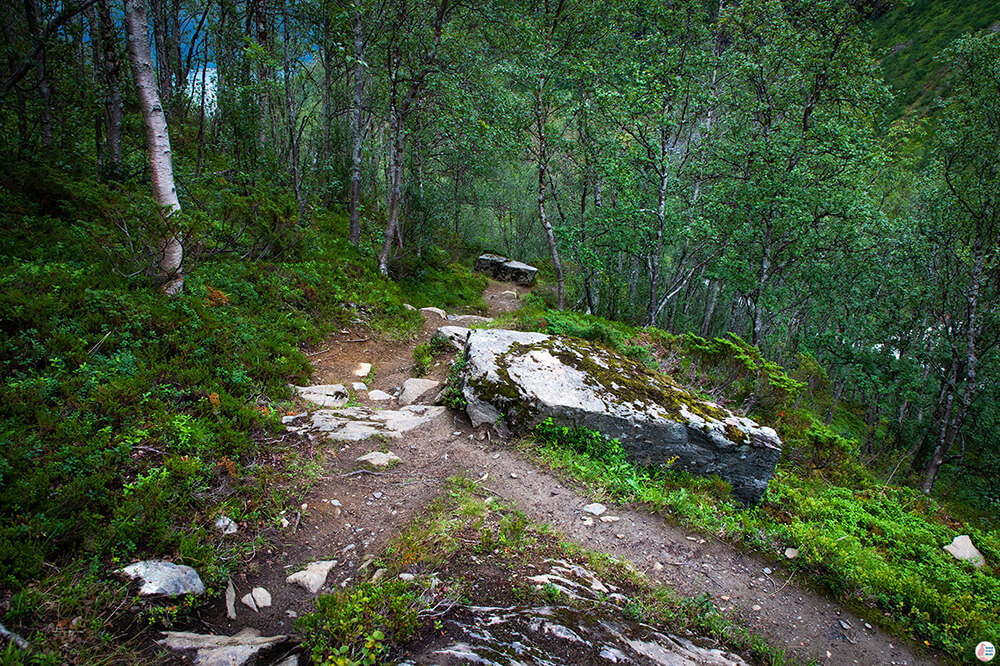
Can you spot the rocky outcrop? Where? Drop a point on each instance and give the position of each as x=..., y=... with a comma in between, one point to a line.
x=455, y=336
x=522, y=378
x=324, y=395
x=506, y=270
x=221, y=650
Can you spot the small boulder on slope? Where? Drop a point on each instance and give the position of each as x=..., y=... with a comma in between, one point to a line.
x=524, y=378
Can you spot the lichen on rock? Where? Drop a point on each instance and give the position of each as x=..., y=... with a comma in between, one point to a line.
x=519, y=379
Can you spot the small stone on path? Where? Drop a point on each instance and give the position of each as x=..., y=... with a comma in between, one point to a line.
x=755, y=607
x=610, y=519
x=595, y=509
x=377, y=495
x=379, y=396
x=312, y=578
x=256, y=599
x=359, y=386
x=513, y=475
x=767, y=571
x=406, y=577
x=363, y=369
x=588, y=521
x=379, y=459
x=415, y=389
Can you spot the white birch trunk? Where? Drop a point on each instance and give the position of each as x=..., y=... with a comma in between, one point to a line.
x=161, y=170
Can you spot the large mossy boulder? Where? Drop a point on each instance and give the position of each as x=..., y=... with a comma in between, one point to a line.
x=519, y=379
x=506, y=270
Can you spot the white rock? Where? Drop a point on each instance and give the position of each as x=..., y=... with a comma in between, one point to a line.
x=166, y=578
x=359, y=386
x=379, y=459
x=259, y=597
x=961, y=548
x=312, y=578
x=292, y=418
x=610, y=519
x=595, y=509
x=248, y=601
x=791, y=553
x=220, y=650
x=357, y=423
x=415, y=389
x=225, y=525
x=409, y=307
x=406, y=577
x=434, y=311
x=363, y=369
x=767, y=571
x=379, y=396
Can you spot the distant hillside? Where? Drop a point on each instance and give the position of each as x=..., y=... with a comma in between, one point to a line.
x=911, y=37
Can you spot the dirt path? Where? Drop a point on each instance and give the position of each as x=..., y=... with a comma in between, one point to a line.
x=350, y=517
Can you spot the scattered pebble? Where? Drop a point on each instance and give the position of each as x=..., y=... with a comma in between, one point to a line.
x=755, y=607
x=225, y=525
x=610, y=519
x=791, y=553
x=359, y=386
x=513, y=475
x=406, y=577
x=725, y=598
x=589, y=522
x=620, y=536
x=496, y=456
x=595, y=509
x=845, y=625
x=868, y=626
x=767, y=571
x=377, y=495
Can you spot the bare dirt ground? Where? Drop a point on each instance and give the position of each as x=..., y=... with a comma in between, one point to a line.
x=374, y=508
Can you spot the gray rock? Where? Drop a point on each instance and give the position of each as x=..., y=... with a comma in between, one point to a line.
x=312, y=578
x=324, y=395
x=379, y=459
x=415, y=390
x=356, y=423
x=164, y=578
x=231, y=600
x=220, y=650
x=523, y=378
x=379, y=396
x=292, y=418
x=961, y=548
x=791, y=553
x=471, y=320
x=506, y=270
x=453, y=335
x=595, y=509
x=427, y=312
x=359, y=386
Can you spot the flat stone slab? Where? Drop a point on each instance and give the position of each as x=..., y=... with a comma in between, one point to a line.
x=379, y=396
x=220, y=650
x=524, y=378
x=312, y=578
x=159, y=577
x=470, y=320
x=506, y=270
x=380, y=459
x=324, y=395
x=415, y=390
x=256, y=599
x=961, y=548
x=453, y=335
x=356, y=423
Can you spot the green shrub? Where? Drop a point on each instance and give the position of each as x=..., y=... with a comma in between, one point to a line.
x=452, y=395
x=359, y=625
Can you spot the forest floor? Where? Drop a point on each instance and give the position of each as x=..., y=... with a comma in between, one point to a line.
x=759, y=594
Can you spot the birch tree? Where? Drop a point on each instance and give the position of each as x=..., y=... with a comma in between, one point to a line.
x=170, y=253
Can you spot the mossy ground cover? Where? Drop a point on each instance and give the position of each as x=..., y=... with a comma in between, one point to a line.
x=130, y=421
x=472, y=549
x=875, y=545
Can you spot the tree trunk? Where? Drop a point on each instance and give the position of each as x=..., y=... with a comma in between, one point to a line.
x=540, y=120
x=291, y=118
x=396, y=164
x=33, y=14
x=357, y=137
x=713, y=298
x=170, y=251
